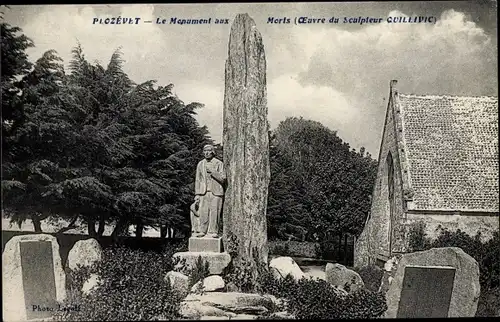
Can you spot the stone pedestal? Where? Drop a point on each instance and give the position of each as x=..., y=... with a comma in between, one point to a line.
x=204, y=244
x=216, y=261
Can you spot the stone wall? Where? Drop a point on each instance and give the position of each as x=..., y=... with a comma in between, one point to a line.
x=375, y=237
x=487, y=223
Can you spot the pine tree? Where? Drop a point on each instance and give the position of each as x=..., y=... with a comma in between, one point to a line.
x=14, y=64
x=39, y=143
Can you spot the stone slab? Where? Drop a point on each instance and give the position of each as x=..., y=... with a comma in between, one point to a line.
x=466, y=288
x=426, y=292
x=216, y=261
x=37, y=265
x=205, y=244
x=21, y=265
x=234, y=305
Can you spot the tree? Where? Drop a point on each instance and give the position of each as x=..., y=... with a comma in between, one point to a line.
x=138, y=144
x=15, y=64
x=165, y=140
x=318, y=184
x=93, y=146
x=30, y=167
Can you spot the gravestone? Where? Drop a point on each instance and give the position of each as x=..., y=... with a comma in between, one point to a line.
x=426, y=292
x=33, y=278
x=440, y=282
x=246, y=144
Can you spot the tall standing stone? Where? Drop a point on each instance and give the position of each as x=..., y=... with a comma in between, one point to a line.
x=246, y=143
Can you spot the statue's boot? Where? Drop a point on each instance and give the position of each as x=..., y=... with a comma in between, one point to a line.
x=211, y=235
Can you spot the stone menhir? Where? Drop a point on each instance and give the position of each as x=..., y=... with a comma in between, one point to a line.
x=246, y=144
x=440, y=282
x=34, y=281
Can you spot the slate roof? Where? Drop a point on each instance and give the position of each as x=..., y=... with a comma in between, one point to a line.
x=451, y=146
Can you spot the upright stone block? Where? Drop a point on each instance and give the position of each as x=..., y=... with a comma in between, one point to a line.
x=33, y=278
x=426, y=292
x=246, y=142
x=440, y=282
x=204, y=244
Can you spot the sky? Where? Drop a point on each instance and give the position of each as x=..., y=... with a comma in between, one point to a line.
x=337, y=74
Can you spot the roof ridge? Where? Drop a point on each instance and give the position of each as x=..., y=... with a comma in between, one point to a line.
x=431, y=96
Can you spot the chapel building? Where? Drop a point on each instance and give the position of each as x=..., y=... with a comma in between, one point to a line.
x=438, y=164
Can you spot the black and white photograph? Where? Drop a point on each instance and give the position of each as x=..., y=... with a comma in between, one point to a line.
x=250, y=161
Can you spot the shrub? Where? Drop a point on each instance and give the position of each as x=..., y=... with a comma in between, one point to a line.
x=371, y=276
x=198, y=272
x=132, y=287
x=240, y=276
x=318, y=299
x=417, y=240
x=486, y=254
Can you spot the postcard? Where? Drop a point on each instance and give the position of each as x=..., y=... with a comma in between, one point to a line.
x=235, y=160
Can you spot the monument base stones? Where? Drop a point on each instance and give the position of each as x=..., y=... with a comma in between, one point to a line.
x=205, y=244
x=440, y=282
x=341, y=276
x=209, y=249
x=34, y=281
x=283, y=266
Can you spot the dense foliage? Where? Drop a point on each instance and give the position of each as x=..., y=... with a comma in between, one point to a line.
x=485, y=253
x=14, y=63
x=319, y=186
x=199, y=271
x=371, y=276
x=318, y=299
x=131, y=287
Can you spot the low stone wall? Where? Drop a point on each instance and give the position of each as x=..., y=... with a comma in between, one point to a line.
x=486, y=223
x=294, y=248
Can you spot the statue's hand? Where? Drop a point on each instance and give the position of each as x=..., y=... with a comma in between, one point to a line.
x=196, y=199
